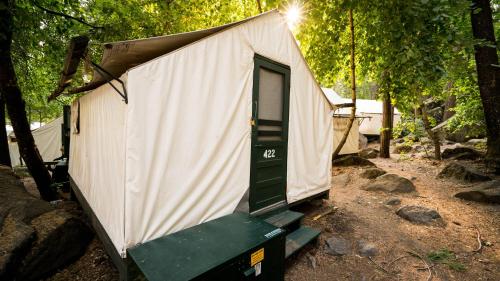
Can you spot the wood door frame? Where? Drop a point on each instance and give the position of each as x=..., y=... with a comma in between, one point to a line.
x=268, y=64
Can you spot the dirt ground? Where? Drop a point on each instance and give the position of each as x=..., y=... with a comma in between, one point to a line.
x=362, y=215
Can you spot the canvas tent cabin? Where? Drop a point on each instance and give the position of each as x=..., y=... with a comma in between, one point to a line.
x=207, y=123
x=369, y=112
x=340, y=123
x=48, y=140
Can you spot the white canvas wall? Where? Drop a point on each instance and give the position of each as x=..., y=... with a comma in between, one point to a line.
x=351, y=144
x=97, y=157
x=48, y=140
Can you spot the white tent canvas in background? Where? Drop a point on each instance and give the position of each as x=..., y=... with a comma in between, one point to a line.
x=178, y=154
x=351, y=144
x=340, y=122
x=369, y=110
x=48, y=140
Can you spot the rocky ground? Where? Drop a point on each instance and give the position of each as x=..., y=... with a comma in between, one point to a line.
x=388, y=219
x=368, y=236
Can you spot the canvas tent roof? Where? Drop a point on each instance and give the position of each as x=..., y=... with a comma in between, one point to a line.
x=362, y=105
x=120, y=56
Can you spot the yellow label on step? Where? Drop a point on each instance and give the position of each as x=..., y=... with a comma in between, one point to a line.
x=257, y=257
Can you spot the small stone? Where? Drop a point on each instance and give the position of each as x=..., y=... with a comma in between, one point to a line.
x=488, y=192
x=402, y=148
x=390, y=183
x=312, y=260
x=369, y=153
x=418, y=214
x=337, y=246
x=456, y=222
x=461, y=153
x=367, y=249
x=371, y=173
x=393, y=201
x=413, y=178
x=460, y=172
x=351, y=160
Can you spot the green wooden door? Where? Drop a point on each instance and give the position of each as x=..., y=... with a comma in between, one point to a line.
x=271, y=90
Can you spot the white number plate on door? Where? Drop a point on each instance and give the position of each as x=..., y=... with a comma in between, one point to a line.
x=269, y=153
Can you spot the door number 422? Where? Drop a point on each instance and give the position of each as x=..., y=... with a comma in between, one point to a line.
x=269, y=153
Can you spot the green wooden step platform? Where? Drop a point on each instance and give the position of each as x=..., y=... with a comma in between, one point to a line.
x=297, y=236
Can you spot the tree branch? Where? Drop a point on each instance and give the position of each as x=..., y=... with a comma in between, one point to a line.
x=55, y=13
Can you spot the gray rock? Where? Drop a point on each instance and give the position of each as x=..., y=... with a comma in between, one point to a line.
x=485, y=193
x=418, y=214
x=362, y=142
x=393, y=201
x=425, y=140
x=460, y=172
x=337, y=246
x=351, y=160
x=369, y=153
x=371, y=173
x=402, y=148
x=461, y=153
x=390, y=183
x=367, y=249
x=312, y=260
x=340, y=180
x=35, y=238
x=476, y=141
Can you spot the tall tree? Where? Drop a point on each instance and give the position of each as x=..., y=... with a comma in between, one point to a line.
x=16, y=105
x=352, y=117
x=488, y=73
x=386, y=128
x=4, y=144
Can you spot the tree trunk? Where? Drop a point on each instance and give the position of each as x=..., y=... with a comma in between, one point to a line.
x=433, y=135
x=16, y=105
x=352, y=117
x=4, y=144
x=488, y=73
x=259, y=6
x=386, y=131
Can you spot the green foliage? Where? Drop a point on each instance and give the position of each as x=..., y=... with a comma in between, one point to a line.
x=444, y=256
x=409, y=128
x=41, y=38
x=409, y=49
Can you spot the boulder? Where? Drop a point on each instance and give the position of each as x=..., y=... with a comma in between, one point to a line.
x=337, y=246
x=340, y=180
x=476, y=142
x=36, y=239
x=402, y=148
x=461, y=153
x=351, y=160
x=419, y=214
x=371, y=173
x=367, y=249
x=460, y=172
x=390, y=183
x=362, y=141
x=486, y=193
x=369, y=153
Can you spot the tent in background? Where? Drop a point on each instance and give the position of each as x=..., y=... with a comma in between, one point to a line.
x=48, y=140
x=340, y=122
x=370, y=112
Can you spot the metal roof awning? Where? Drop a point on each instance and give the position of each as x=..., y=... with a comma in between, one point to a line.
x=120, y=56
